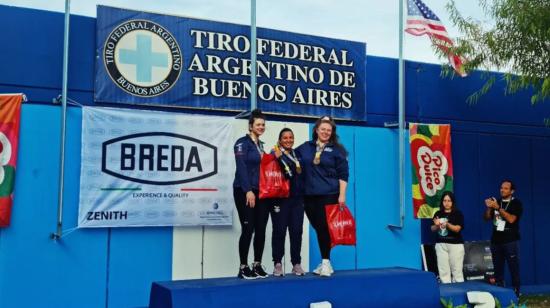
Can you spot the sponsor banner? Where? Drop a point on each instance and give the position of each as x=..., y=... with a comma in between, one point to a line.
x=147, y=168
x=478, y=261
x=432, y=166
x=152, y=59
x=10, y=113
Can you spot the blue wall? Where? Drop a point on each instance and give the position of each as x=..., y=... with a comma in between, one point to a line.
x=86, y=268
x=499, y=137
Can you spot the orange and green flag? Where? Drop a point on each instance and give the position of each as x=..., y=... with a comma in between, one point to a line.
x=432, y=165
x=10, y=111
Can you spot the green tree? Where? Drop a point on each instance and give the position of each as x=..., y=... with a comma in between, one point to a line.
x=517, y=42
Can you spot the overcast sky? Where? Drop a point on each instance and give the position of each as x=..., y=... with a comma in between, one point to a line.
x=374, y=22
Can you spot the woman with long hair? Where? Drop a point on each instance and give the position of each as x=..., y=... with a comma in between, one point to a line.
x=288, y=213
x=253, y=213
x=326, y=175
x=448, y=222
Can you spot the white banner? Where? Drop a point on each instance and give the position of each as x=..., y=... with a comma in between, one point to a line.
x=147, y=168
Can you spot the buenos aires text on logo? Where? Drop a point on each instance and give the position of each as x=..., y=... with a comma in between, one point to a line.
x=142, y=58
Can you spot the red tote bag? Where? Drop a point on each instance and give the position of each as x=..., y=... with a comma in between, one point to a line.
x=341, y=225
x=272, y=181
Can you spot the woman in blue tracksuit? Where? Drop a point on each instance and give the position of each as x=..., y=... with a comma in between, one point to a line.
x=253, y=213
x=326, y=174
x=288, y=213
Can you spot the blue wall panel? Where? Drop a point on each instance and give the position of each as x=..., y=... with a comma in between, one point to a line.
x=445, y=99
x=466, y=185
x=36, y=271
x=344, y=256
x=377, y=203
x=541, y=209
x=137, y=258
x=36, y=60
x=503, y=157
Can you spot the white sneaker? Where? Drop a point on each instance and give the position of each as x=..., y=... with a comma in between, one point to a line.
x=326, y=269
x=317, y=270
x=330, y=267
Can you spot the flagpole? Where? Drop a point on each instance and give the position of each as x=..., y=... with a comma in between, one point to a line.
x=253, y=103
x=58, y=233
x=401, y=111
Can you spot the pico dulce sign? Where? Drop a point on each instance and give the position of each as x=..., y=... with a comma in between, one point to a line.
x=432, y=164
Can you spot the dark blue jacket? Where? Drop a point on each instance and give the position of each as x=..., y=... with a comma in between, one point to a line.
x=323, y=179
x=296, y=180
x=247, y=161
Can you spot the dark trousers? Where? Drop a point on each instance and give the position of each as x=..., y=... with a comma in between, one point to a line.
x=315, y=210
x=509, y=253
x=253, y=221
x=287, y=213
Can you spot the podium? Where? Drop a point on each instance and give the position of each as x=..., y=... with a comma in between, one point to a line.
x=383, y=287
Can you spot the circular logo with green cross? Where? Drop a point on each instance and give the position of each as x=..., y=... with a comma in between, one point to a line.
x=142, y=58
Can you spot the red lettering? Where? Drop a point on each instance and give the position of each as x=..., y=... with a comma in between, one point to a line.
x=426, y=158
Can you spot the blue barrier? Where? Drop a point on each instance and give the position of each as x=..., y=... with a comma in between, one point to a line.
x=386, y=287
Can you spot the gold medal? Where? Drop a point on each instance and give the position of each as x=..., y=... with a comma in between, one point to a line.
x=298, y=168
x=317, y=159
x=319, y=147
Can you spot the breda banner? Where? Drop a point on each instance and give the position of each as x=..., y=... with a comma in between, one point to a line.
x=148, y=168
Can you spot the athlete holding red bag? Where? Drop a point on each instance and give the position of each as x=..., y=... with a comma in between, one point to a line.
x=341, y=225
x=272, y=181
x=326, y=173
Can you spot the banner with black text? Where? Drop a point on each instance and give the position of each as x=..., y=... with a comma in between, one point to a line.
x=148, y=168
x=153, y=59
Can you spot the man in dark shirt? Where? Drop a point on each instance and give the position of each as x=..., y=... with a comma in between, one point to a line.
x=505, y=213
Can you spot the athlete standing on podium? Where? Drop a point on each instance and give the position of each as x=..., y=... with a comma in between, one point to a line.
x=326, y=175
x=253, y=212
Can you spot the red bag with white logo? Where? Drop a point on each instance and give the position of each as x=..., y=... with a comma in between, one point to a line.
x=341, y=225
x=273, y=183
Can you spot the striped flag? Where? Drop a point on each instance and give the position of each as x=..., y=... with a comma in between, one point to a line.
x=421, y=20
x=10, y=113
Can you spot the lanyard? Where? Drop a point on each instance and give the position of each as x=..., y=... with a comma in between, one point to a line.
x=259, y=145
x=507, y=204
x=319, y=148
x=292, y=156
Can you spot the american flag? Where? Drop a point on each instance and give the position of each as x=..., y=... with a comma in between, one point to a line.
x=421, y=20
